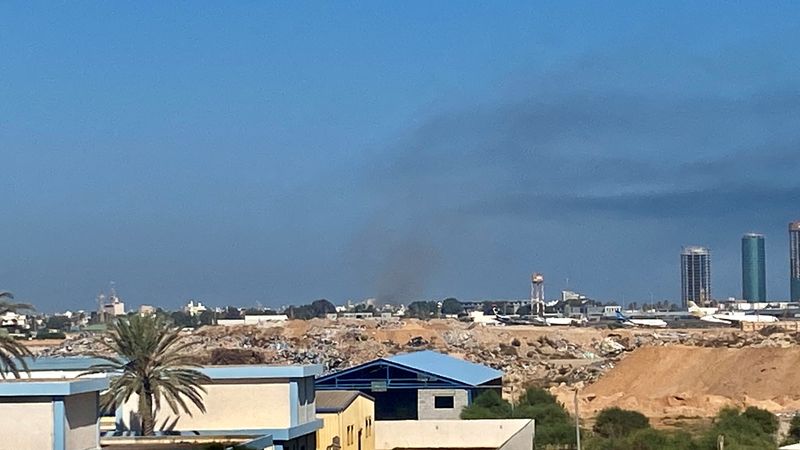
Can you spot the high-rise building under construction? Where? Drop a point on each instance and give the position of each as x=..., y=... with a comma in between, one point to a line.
x=794, y=261
x=754, y=268
x=695, y=275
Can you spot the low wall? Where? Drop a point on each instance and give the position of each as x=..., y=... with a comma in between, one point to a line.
x=505, y=434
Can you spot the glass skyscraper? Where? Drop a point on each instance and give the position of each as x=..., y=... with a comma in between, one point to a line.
x=754, y=268
x=794, y=260
x=695, y=275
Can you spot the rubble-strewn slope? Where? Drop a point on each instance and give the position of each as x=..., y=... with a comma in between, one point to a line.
x=696, y=382
x=551, y=356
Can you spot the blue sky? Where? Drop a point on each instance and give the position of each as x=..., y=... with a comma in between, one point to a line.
x=282, y=152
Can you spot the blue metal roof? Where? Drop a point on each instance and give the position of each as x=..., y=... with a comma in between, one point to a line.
x=447, y=366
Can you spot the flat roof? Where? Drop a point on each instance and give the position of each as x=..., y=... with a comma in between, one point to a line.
x=180, y=441
x=81, y=363
x=51, y=387
x=260, y=371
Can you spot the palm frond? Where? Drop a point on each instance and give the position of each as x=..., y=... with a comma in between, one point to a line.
x=151, y=360
x=12, y=357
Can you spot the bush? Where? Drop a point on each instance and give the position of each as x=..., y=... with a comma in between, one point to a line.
x=794, y=431
x=741, y=431
x=488, y=405
x=554, y=425
x=765, y=419
x=616, y=422
x=47, y=334
x=645, y=439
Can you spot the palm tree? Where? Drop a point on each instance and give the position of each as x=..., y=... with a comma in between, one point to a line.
x=151, y=362
x=8, y=306
x=12, y=352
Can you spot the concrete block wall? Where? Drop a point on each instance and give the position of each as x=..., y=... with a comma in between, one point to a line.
x=426, y=407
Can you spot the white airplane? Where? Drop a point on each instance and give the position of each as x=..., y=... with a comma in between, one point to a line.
x=645, y=323
x=727, y=317
x=565, y=321
x=536, y=320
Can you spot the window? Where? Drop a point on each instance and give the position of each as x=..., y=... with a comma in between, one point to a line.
x=368, y=426
x=443, y=402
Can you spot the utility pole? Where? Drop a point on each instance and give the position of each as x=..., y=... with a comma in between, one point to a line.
x=577, y=421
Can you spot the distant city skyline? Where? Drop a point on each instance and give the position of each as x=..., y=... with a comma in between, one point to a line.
x=794, y=260
x=280, y=153
x=695, y=275
x=754, y=266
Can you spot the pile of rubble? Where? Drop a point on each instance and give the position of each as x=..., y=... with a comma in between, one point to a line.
x=528, y=355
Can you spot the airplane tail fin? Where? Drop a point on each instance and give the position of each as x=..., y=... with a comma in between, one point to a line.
x=695, y=310
x=621, y=316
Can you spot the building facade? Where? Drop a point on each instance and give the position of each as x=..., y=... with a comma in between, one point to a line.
x=421, y=385
x=348, y=420
x=695, y=275
x=754, y=268
x=261, y=405
x=794, y=260
x=257, y=400
x=50, y=414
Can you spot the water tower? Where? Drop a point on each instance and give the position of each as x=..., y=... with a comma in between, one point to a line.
x=537, y=294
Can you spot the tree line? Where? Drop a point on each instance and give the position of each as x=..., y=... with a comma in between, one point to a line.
x=620, y=429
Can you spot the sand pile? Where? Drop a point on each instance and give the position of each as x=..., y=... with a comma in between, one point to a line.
x=696, y=382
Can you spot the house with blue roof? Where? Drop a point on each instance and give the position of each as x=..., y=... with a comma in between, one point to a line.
x=424, y=385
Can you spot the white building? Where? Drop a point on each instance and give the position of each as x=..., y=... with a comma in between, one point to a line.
x=194, y=309
x=114, y=306
x=14, y=320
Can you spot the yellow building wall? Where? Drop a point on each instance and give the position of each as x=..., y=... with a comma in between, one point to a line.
x=346, y=425
x=26, y=425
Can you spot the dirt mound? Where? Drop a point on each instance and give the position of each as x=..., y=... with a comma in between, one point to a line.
x=696, y=382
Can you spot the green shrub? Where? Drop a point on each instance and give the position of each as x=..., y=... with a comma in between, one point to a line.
x=741, y=431
x=553, y=424
x=765, y=419
x=793, y=436
x=46, y=334
x=616, y=422
x=488, y=405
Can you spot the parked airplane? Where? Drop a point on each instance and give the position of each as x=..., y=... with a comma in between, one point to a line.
x=535, y=320
x=645, y=323
x=728, y=317
x=518, y=320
